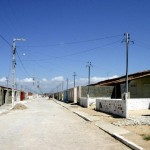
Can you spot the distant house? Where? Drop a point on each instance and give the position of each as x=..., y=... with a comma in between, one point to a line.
x=139, y=85
x=5, y=95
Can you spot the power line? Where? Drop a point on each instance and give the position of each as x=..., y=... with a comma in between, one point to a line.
x=142, y=44
x=77, y=53
x=85, y=51
x=23, y=65
x=5, y=41
x=76, y=42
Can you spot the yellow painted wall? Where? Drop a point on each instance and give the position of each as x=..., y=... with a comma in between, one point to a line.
x=140, y=88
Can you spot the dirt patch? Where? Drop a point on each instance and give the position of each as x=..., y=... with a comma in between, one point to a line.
x=19, y=107
x=138, y=129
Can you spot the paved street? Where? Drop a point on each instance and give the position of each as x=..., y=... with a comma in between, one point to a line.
x=49, y=126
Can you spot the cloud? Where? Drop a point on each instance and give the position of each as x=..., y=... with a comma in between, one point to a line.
x=44, y=80
x=3, y=79
x=27, y=80
x=58, y=79
x=84, y=81
x=56, y=82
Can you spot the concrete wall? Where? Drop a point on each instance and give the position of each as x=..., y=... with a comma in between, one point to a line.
x=138, y=88
x=9, y=96
x=138, y=103
x=86, y=102
x=1, y=96
x=72, y=95
x=17, y=98
x=97, y=91
x=118, y=107
x=78, y=94
x=112, y=106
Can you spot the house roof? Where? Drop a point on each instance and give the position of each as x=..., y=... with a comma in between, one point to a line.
x=5, y=87
x=122, y=79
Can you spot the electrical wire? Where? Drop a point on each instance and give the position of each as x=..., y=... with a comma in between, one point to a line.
x=77, y=53
x=5, y=40
x=23, y=65
x=142, y=44
x=92, y=49
x=76, y=42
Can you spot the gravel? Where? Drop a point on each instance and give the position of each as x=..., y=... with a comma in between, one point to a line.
x=132, y=121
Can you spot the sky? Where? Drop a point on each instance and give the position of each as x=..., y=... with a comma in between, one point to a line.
x=62, y=36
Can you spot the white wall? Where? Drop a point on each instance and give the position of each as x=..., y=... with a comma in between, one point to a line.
x=113, y=106
x=72, y=95
x=86, y=102
x=75, y=95
x=118, y=107
x=138, y=103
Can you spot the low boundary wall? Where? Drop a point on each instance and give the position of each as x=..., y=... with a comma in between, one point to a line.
x=113, y=106
x=138, y=103
x=120, y=107
x=86, y=102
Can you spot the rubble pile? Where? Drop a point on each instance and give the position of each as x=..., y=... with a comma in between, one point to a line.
x=19, y=107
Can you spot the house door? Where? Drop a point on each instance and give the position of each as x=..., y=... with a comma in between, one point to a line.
x=4, y=97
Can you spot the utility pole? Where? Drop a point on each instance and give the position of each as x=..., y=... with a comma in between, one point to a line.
x=13, y=67
x=127, y=40
x=62, y=86
x=74, y=75
x=89, y=65
x=7, y=82
x=16, y=85
x=67, y=90
x=57, y=93
x=38, y=87
x=67, y=83
x=33, y=80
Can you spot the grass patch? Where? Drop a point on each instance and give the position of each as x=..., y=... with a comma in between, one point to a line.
x=146, y=137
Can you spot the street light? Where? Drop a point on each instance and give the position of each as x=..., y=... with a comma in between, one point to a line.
x=13, y=66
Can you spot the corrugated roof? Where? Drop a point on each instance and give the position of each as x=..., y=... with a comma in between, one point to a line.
x=122, y=79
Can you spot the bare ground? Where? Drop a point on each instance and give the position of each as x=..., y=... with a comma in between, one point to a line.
x=141, y=130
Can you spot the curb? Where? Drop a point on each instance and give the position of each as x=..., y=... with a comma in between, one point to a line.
x=127, y=142
x=82, y=116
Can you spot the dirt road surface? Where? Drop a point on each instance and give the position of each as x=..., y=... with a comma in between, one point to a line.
x=49, y=126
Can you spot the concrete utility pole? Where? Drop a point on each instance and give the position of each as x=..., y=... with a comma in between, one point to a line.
x=38, y=87
x=16, y=85
x=67, y=84
x=74, y=75
x=7, y=82
x=33, y=80
x=62, y=85
x=13, y=67
x=89, y=65
x=127, y=44
x=67, y=90
x=127, y=40
x=57, y=93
